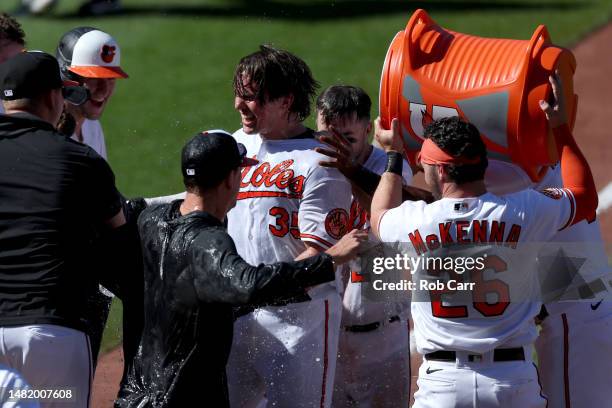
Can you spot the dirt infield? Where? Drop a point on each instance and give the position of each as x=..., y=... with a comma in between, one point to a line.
x=594, y=86
x=106, y=381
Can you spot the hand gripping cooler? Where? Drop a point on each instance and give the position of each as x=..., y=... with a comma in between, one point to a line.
x=496, y=84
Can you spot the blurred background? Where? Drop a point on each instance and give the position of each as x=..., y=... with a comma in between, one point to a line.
x=181, y=55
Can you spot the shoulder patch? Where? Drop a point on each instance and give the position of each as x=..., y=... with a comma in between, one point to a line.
x=336, y=223
x=554, y=193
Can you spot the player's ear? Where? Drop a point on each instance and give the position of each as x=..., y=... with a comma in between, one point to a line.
x=287, y=102
x=441, y=171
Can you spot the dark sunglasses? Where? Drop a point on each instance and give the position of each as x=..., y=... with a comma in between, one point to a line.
x=75, y=93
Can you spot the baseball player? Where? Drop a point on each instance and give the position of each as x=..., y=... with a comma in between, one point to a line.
x=479, y=353
x=57, y=195
x=92, y=58
x=373, y=354
x=288, y=208
x=574, y=341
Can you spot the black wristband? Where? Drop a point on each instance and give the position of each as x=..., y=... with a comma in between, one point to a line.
x=395, y=162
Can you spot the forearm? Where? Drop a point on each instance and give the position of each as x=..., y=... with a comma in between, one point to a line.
x=576, y=174
x=164, y=199
x=388, y=195
x=365, y=186
x=310, y=251
x=229, y=279
x=364, y=179
x=411, y=193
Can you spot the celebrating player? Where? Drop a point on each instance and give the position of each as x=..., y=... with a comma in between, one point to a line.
x=192, y=283
x=92, y=58
x=373, y=354
x=288, y=208
x=478, y=353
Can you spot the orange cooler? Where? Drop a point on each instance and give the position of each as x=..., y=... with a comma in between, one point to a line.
x=496, y=84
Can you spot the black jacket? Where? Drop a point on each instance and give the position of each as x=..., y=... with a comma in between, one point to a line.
x=55, y=195
x=193, y=278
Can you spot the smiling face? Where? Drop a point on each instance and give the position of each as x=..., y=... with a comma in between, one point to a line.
x=101, y=90
x=263, y=117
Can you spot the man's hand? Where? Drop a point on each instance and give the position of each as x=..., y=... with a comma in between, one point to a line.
x=349, y=246
x=389, y=139
x=340, y=150
x=557, y=113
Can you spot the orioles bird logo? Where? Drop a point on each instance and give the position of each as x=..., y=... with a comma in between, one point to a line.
x=108, y=53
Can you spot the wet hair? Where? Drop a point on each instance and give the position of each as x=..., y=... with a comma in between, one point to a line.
x=340, y=102
x=274, y=73
x=10, y=30
x=460, y=139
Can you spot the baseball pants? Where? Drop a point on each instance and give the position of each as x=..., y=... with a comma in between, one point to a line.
x=484, y=384
x=575, y=356
x=373, y=368
x=50, y=357
x=10, y=381
x=286, y=355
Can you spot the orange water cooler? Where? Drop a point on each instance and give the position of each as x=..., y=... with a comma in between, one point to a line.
x=496, y=84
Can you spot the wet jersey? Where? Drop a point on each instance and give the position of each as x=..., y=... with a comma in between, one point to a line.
x=286, y=200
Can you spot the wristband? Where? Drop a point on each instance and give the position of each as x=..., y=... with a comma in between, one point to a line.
x=395, y=163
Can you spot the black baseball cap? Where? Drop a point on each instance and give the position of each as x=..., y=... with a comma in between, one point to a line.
x=31, y=73
x=210, y=155
x=28, y=74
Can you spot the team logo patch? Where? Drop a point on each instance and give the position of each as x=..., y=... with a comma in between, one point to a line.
x=554, y=193
x=336, y=223
x=108, y=53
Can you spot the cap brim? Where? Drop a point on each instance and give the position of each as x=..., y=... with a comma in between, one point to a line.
x=247, y=162
x=99, y=72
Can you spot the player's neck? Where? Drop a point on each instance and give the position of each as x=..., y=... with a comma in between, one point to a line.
x=465, y=190
x=194, y=202
x=291, y=129
x=79, y=119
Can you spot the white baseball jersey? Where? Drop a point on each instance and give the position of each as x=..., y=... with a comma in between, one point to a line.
x=93, y=136
x=507, y=224
x=355, y=311
x=287, y=199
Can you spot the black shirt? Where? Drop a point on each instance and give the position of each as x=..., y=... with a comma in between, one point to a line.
x=193, y=276
x=55, y=193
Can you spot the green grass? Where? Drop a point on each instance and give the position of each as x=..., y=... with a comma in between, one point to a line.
x=181, y=54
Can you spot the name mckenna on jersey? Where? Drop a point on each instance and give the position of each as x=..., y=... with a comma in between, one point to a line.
x=481, y=232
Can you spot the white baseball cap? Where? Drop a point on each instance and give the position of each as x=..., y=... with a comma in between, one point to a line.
x=95, y=54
